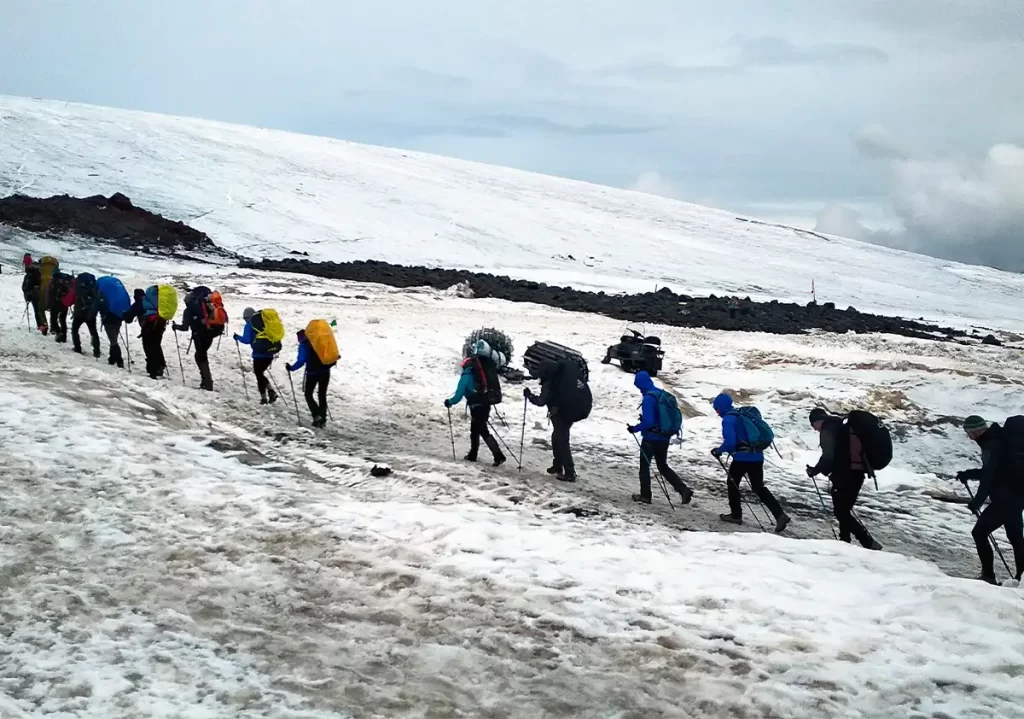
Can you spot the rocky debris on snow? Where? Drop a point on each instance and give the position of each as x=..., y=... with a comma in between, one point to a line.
x=378, y=471
x=111, y=219
x=661, y=307
x=462, y=289
x=991, y=340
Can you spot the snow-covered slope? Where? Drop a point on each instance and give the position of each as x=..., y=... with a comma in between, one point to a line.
x=264, y=193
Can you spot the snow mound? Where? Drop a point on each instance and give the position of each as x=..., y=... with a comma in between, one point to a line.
x=266, y=193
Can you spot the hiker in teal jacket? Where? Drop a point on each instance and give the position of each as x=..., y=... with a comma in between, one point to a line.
x=479, y=410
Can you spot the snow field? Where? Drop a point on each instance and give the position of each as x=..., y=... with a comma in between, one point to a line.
x=172, y=553
x=266, y=193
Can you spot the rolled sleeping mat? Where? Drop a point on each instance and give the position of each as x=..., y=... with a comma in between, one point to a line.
x=540, y=352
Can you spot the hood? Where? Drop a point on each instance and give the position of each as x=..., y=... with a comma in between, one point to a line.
x=546, y=370
x=722, y=403
x=643, y=382
x=26, y=260
x=139, y=294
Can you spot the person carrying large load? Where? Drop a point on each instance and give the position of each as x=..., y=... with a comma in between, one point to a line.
x=480, y=385
x=263, y=332
x=85, y=311
x=111, y=304
x=153, y=308
x=564, y=391
x=31, y=289
x=318, y=353
x=205, y=317
x=60, y=297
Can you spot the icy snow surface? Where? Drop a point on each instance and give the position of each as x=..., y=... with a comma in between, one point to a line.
x=170, y=553
x=265, y=193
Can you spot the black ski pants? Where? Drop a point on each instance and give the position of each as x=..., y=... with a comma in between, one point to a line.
x=317, y=383
x=479, y=418
x=260, y=365
x=992, y=518
x=152, y=335
x=113, y=329
x=560, y=445
x=89, y=320
x=753, y=471
x=658, y=452
x=202, y=339
x=59, y=322
x=844, y=496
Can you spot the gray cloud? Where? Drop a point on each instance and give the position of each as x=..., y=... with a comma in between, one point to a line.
x=770, y=51
x=967, y=209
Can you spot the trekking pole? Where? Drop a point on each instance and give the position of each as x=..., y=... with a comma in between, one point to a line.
x=729, y=479
x=241, y=371
x=451, y=433
x=295, y=399
x=828, y=517
x=180, y=364
x=502, y=419
x=991, y=538
x=28, y=321
x=188, y=349
x=503, y=444
x=652, y=470
x=764, y=509
x=522, y=437
x=127, y=350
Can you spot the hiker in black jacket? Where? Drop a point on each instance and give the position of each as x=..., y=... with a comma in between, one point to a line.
x=1002, y=487
x=842, y=462
x=565, y=393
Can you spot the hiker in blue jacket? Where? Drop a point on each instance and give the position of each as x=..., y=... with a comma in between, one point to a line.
x=745, y=462
x=654, y=445
x=479, y=408
x=262, y=357
x=318, y=376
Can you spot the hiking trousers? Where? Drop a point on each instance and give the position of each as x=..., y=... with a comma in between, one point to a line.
x=152, y=345
x=59, y=322
x=844, y=496
x=754, y=471
x=317, y=383
x=202, y=339
x=83, y=318
x=39, y=311
x=260, y=365
x=113, y=330
x=657, y=451
x=479, y=419
x=560, y=446
x=992, y=518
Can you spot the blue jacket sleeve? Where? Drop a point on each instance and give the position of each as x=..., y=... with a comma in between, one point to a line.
x=465, y=385
x=729, y=441
x=648, y=413
x=300, y=360
x=248, y=335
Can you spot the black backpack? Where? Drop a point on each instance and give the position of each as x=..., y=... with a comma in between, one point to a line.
x=574, y=399
x=487, y=385
x=875, y=439
x=1012, y=460
x=85, y=292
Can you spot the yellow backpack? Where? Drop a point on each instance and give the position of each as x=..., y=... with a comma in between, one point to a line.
x=321, y=339
x=166, y=302
x=269, y=331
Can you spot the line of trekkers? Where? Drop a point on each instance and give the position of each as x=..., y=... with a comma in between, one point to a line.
x=50, y=294
x=853, y=446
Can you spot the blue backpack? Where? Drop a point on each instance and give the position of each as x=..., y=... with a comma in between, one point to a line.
x=756, y=434
x=669, y=418
x=114, y=299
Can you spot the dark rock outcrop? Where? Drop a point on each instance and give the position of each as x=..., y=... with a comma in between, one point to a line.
x=111, y=219
x=661, y=307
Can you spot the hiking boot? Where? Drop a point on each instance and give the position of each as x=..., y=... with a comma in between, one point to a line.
x=500, y=460
x=730, y=519
x=990, y=578
x=272, y=396
x=685, y=497
x=641, y=499
x=553, y=470
x=120, y=364
x=563, y=477
x=111, y=361
x=874, y=546
x=471, y=457
x=319, y=422
x=96, y=354
x=781, y=522
x=78, y=350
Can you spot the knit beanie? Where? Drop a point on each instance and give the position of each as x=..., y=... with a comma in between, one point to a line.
x=247, y=313
x=974, y=423
x=818, y=415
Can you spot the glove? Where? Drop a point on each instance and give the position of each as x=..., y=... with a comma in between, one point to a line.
x=447, y=404
x=631, y=429
x=974, y=505
x=960, y=476
x=527, y=393
x=716, y=453
x=812, y=471
x=178, y=328
x=287, y=366
x=238, y=338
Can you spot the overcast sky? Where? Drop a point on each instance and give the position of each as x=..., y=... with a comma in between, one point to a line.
x=837, y=112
